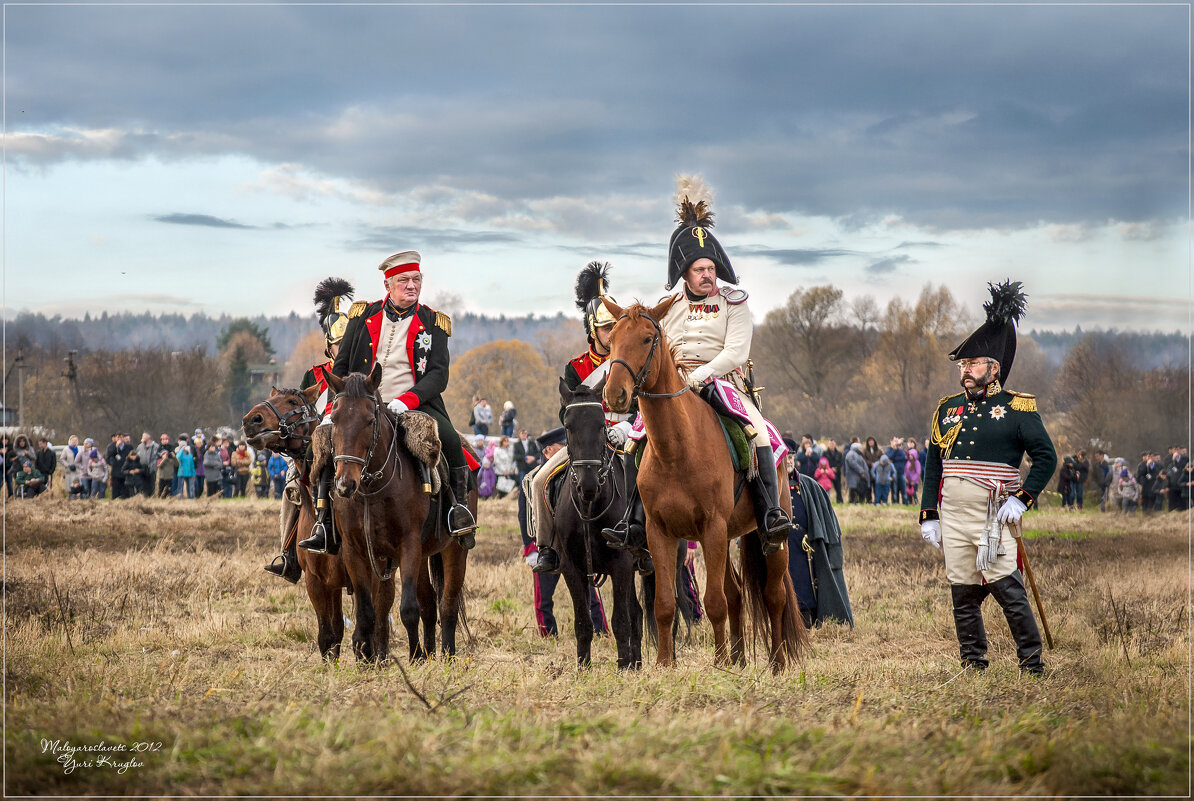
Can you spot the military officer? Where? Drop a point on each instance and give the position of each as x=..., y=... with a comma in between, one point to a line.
x=972, y=486
x=589, y=368
x=410, y=342
x=710, y=330
x=329, y=294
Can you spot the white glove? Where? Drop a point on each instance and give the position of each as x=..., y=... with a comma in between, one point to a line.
x=532, y=559
x=931, y=531
x=1011, y=511
x=700, y=376
x=617, y=433
x=326, y=421
x=397, y=407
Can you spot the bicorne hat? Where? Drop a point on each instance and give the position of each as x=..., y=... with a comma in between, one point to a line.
x=332, y=320
x=693, y=239
x=592, y=283
x=996, y=337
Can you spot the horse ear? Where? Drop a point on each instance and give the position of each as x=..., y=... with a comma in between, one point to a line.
x=565, y=393
x=662, y=309
x=312, y=393
x=611, y=307
x=375, y=375
x=273, y=391
x=335, y=382
x=600, y=388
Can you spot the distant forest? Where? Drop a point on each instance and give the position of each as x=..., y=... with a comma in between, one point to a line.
x=114, y=332
x=177, y=332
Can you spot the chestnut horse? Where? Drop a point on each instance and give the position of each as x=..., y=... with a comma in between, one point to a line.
x=687, y=484
x=284, y=422
x=386, y=520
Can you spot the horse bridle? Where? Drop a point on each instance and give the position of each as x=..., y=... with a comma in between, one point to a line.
x=368, y=478
x=603, y=466
x=286, y=430
x=641, y=376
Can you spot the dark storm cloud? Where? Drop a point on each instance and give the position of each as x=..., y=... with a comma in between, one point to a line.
x=888, y=265
x=951, y=117
x=444, y=240
x=798, y=257
x=200, y=219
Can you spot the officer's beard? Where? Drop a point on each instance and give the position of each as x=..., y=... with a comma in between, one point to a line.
x=978, y=386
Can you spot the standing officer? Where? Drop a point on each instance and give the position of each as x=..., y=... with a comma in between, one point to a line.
x=410, y=342
x=972, y=483
x=329, y=294
x=589, y=369
x=710, y=330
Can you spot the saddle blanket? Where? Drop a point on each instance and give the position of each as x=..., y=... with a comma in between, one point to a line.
x=728, y=394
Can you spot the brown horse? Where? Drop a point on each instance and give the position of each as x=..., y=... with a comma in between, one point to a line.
x=387, y=520
x=695, y=500
x=285, y=422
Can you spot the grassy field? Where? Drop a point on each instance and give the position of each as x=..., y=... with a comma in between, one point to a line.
x=151, y=622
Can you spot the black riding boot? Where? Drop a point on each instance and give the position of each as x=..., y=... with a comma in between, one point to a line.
x=773, y=522
x=323, y=537
x=968, y=620
x=460, y=520
x=630, y=533
x=285, y=564
x=1009, y=592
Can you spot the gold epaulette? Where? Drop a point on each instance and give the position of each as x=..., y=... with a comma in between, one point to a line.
x=941, y=402
x=444, y=322
x=1022, y=401
x=357, y=309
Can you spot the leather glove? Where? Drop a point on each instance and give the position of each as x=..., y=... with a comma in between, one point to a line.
x=1011, y=511
x=931, y=531
x=397, y=407
x=326, y=421
x=617, y=433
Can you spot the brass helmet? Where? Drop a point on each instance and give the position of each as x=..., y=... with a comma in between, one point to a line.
x=333, y=321
x=591, y=283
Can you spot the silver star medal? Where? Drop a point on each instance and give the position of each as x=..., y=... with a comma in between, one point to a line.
x=424, y=341
x=423, y=364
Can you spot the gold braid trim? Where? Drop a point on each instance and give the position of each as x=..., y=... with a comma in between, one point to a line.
x=1023, y=403
x=944, y=441
x=444, y=322
x=357, y=309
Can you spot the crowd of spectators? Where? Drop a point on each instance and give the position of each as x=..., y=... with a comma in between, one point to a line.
x=1156, y=483
x=190, y=466
x=868, y=474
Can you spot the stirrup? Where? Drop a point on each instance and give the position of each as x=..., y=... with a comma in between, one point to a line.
x=283, y=566
x=617, y=537
x=318, y=541
x=464, y=535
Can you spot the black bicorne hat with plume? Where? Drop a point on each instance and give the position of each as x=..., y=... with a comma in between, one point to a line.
x=332, y=319
x=693, y=239
x=591, y=283
x=996, y=337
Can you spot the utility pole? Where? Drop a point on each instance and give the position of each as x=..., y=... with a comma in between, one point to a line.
x=72, y=376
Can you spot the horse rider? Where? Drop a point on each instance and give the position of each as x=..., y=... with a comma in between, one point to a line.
x=588, y=369
x=972, y=486
x=709, y=330
x=410, y=342
x=329, y=294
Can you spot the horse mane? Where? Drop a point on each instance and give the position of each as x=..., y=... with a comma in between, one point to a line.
x=357, y=386
x=288, y=391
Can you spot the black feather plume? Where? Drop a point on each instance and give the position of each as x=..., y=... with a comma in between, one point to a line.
x=590, y=282
x=698, y=213
x=1008, y=303
x=327, y=290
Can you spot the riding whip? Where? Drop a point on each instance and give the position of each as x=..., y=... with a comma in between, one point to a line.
x=1035, y=594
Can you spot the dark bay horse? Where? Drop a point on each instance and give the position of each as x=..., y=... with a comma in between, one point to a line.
x=592, y=499
x=387, y=521
x=285, y=422
x=687, y=485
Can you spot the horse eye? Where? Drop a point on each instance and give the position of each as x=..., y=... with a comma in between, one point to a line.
x=646, y=340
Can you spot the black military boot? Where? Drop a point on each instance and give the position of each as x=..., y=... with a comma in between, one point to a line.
x=548, y=561
x=632, y=527
x=1009, y=592
x=460, y=520
x=773, y=522
x=285, y=564
x=968, y=620
x=323, y=537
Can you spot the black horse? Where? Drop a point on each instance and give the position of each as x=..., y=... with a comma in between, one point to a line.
x=590, y=499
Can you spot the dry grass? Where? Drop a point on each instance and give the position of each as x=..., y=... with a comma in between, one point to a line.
x=152, y=621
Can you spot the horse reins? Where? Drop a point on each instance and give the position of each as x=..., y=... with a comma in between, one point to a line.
x=604, y=466
x=641, y=376
x=286, y=430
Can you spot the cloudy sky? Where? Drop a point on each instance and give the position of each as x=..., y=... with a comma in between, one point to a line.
x=225, y=158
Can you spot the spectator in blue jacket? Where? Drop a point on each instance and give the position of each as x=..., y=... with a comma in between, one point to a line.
x=899, y=459
x=277, y=473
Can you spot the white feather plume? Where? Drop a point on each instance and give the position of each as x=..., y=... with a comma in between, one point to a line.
x=694, y=188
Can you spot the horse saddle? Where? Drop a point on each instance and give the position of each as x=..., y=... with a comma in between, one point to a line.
x=735, y=427
x=553, y=489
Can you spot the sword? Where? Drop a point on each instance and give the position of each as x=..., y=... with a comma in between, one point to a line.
x=755, y=392
x=1035, y=594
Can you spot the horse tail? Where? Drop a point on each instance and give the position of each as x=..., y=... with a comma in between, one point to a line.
x=646, y=598
x=684, y=601
x=436, y=565
x=794, y=634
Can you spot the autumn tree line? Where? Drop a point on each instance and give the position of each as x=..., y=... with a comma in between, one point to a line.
x=831, y=366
